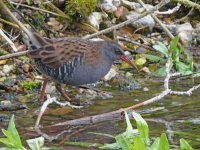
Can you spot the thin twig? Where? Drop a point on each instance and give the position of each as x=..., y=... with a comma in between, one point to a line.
x=8, y=40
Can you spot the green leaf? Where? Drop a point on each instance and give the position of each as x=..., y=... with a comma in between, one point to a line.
x=142, y=127
x=83, y=144
x=110, y=146
x=7, y=142
x=3, y=148
x=164, y=144
x=183, y=68
x=174, y=49
x=154, y=58
x=129, y=129
x=155, y=144
x=174, y=44
x=161, y=48
x=13, y=132
x=140, y=61
x=36, y=144
x=185, y=145
x=161, y=72
x=138, y=143
x=123, y=143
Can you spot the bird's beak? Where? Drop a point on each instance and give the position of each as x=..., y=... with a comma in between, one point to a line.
x=128, y=61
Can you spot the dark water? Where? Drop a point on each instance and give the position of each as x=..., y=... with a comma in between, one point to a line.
x=178, y=116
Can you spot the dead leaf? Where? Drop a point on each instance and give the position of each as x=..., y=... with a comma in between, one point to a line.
x=120, y=11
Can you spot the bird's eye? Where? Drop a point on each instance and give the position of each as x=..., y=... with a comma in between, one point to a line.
x=118, y=51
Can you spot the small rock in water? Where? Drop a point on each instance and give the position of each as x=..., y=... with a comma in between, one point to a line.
x=6, y=103
x=124, y=83
x=92, y=94
x=145, y=89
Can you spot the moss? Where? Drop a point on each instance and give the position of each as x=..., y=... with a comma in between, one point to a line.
x=80, y=8
x=29, y=85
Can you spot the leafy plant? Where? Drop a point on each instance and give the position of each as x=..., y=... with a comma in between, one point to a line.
x=135, y=139
x=28, y=85
x=81, y=7
x=183, y=65
x=12, y=141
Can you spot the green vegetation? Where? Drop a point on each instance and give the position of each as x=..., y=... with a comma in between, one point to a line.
x=135, y=139
x=175, y=52
x=29, y=85
x=131, y=139
x=12, y=141
x=81, y=7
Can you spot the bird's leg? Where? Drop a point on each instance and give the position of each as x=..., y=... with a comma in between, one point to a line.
x=63, y=93
x=42, y=94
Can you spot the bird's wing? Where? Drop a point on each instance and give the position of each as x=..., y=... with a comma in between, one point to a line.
x=73, y=51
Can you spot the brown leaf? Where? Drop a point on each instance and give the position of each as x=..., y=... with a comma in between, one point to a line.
x=120, y=11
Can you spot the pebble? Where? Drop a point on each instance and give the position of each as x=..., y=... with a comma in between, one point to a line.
x=8, y=68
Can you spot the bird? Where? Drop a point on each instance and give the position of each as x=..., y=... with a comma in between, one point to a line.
x=73, y=61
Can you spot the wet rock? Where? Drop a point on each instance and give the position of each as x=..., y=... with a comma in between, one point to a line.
x=146, y=21
x=184, y=33
x=6, y=103
x=8, y=68
x=4, y=118
x=123, y=83
x=145, y=89
x=96, y=18
x=8, y=106
x=92, y=94
x=111, y=74
x=108, y=5
x=50, y=87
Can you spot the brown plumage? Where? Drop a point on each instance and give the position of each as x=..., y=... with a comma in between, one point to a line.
x=75, y=61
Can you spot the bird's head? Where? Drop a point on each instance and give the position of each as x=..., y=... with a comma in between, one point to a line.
x=115, y=52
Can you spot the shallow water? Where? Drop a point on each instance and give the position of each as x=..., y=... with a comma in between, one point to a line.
x=178, y=116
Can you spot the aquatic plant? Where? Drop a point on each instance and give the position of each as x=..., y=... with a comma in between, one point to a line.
x=134, y=139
